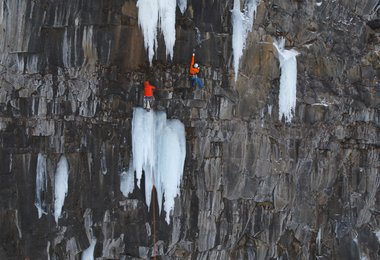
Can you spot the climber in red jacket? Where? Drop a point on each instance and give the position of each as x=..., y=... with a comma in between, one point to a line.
x=148, y=95
x=194, y=70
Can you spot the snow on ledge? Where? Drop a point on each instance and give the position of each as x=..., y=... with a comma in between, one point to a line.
x=60, y=186
x=158, y=149
x=288, y=80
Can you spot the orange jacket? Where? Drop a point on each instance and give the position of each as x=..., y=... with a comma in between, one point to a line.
x=193, y=71
x=148, y=89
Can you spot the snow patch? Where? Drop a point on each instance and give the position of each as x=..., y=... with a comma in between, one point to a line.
x=41, y=184
x=159, y=149
x=288, y=80
x=242, y=23
x=60, y=186
x=158, y=13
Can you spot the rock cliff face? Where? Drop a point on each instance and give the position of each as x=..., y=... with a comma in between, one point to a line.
x=254, y=187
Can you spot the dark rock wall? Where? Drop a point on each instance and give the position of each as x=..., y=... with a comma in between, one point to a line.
x=253, y=186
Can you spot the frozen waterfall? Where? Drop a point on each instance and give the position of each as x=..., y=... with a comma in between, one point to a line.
x=154, y=14
x=60, y=186
x=288, y=80
x=41, y=184
x=242, y=23
x=148, y=19
x=159, y=149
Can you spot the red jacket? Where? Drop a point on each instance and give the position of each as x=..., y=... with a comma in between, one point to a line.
x=193, y=71
x=148, y=89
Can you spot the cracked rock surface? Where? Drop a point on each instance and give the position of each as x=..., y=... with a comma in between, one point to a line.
x=254, y=187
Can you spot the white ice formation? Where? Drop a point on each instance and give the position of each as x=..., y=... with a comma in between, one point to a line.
x=242, y=23
x=182, y=4
x=154, y=14
x=60, y=186
x=41, y=184
x=159, y=149
x=288, y=80
x=318, y=241
x=88, y=254
x=127, y=182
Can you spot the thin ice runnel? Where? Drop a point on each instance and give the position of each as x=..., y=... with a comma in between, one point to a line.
x=159, y=149
x=288, y=80
x=242, y=23
x=60, y=186
x=41, y=184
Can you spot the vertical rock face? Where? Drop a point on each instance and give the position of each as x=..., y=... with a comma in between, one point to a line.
x=254, y=187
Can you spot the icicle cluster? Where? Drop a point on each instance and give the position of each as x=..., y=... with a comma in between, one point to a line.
x=60, y=186
x=288, y=80
x=159, y=149
x=242, y=23
x=154, y=14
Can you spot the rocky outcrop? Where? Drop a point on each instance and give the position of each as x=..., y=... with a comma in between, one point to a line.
x=254, y=187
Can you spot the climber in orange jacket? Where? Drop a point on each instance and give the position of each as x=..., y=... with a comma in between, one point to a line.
x=148, y=95
x=194, y=70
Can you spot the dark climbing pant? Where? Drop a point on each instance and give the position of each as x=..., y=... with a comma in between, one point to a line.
x=148, y=102
x=194, y=80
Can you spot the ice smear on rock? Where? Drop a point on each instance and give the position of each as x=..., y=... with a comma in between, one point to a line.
x=60, y=186
x=158, y=13
x=41, y=184
x=127, y=182
x=242, y=23
x=159, y=149
x=288, y=80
